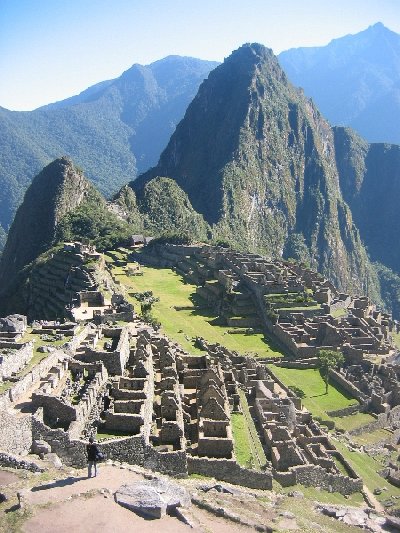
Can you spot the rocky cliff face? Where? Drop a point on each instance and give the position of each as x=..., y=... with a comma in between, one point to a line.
x=58, y=189
x=257, y=159
x=370, y=180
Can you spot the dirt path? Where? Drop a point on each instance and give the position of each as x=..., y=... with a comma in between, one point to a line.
x=76, y=504
x=94, y=515
x=377, y=506
x=109, y=477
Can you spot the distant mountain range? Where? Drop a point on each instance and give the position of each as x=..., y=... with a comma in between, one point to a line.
x=354, y=80
x=113, y=130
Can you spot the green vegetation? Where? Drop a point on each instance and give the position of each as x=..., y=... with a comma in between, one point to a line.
x=180, y=317
x=256, y=448
x=315, y=398
x=104, y=435
x=372, y=437
x=367, y=468
x=353, y=421
x=167, y=209
x=104, y=134
x=329, y=360
x=91, y=221
x=241, y=440
x=337, y=313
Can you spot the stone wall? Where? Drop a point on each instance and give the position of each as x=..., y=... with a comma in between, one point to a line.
x=127, y=449
x=124, y=316
x=308, y=363
x=13, y=361
x=346, y=385
x=71, y=452
x=15, y=432
x=12, y=461
x=346, y=411
x=316, y=476
x=379, y=423
x=173, y=463
x=33, y=377
x=230, y=471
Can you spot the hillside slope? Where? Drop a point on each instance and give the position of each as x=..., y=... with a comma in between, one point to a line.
x=60, y=204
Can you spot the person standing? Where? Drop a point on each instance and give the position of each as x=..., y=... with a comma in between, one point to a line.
x=93, y=453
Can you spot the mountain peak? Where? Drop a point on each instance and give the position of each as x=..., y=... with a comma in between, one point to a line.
x=56, y=190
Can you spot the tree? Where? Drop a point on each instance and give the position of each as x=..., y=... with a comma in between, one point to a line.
x=327, y=360
x=146, y=300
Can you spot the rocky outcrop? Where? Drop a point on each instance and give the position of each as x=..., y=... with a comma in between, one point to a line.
x=152, y=499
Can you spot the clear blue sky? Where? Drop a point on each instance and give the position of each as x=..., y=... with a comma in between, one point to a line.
x=52, y=49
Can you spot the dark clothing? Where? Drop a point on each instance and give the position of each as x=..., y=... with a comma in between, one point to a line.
x=92, y=452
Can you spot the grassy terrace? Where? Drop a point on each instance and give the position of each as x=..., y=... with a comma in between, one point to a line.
x=185, y=324
x=311, y=387
x=367, y=468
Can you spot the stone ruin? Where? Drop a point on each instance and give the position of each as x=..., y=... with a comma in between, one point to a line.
x=289, y=302
x=14, y=353
x=159, y=407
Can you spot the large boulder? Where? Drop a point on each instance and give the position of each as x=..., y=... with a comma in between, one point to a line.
x=153, y=498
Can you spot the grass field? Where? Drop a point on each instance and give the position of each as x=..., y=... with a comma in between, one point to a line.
x=241, y=443
x=310, y=385
x=310, y=382
x=185, y=324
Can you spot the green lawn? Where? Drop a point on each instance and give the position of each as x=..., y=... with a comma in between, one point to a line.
x=309, y=383
x=184, y=325
x=396, y=339
x=241, y=441
x=256, y=448
x=353, y=421
x=339, y=312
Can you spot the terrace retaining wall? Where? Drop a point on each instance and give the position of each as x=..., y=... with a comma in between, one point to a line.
x=230, y=471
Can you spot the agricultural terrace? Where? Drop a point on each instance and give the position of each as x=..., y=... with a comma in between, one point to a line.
x=310, y=387
x=184, y=316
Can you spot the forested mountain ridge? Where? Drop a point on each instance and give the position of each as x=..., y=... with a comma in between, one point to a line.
x=111, y=130
x=354, y=80
x=257, y=160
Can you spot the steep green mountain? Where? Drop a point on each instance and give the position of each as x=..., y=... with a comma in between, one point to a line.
x=370, y=181
x=162, y=207
x=112, y=130
x=60, y=204
x=257, y=160
x=354, y=80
